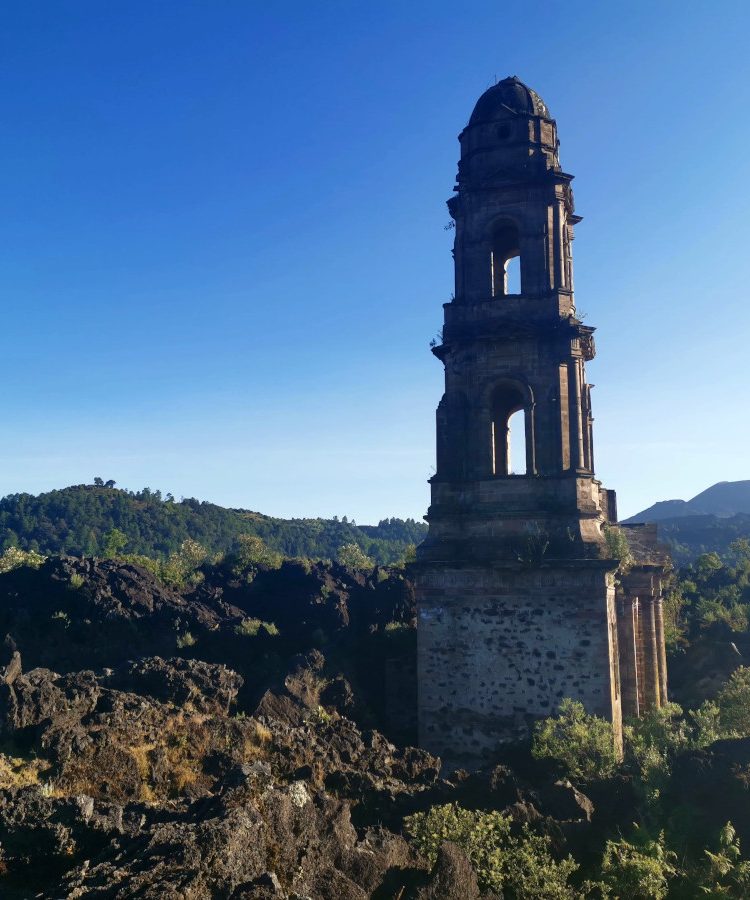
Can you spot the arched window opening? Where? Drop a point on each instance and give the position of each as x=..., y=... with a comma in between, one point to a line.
x=508, y=431
x=505, y=247
x=517, y=443
x=513, y=275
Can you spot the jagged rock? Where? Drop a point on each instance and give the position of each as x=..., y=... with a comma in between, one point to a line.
x=564, y=802
x=383, y=860
x=338, y=694
x=297, y=693
x=302, y=597
x=452, y=877
x=42, y=695
x=205, y=686
x=9, y=673
x=224, y=849
x=153, y=788
x=280, y=708
x=75, y=613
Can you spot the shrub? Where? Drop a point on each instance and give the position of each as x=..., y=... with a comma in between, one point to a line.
x=733, y=701
x=664, y=729
x=353, y=557
x=618, y=546
x=13, y=558
x=321, y=715
x=726, y=874
x=181, y=569
x=17, y=772
x=154, y=566
x=521, y=865
x=62, y=617
x=186, y=640
x=77, y=580
x=706, y=723
x=409, y=556
x=651, y=742
x=251, y=627
x=250, y=552
x=638, y=871
x=584, y=744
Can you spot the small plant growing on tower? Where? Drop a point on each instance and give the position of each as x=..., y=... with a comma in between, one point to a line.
x=535, y=546
x=618, y=547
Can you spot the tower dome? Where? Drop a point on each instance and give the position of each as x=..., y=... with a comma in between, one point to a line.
x=508, y=95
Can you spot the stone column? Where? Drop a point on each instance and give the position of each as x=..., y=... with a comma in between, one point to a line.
x=587, y=430
x=627, y=612
x=576, y=424
x=650, y=656
x=530, y=426
x=501, y=460
x=661, y=649
x=563, y=424
x=557, y=260
x=639, y=653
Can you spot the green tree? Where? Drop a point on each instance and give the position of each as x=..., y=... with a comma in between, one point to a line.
x=740, y=549
x=115, y=542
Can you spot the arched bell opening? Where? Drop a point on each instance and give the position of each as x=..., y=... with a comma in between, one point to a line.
x=505, y=260
x=512, y=430
x=517, y=443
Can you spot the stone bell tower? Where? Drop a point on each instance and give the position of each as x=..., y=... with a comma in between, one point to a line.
x=515, y=585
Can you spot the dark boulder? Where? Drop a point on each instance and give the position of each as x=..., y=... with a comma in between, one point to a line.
x=452, y=877
x=207, y=687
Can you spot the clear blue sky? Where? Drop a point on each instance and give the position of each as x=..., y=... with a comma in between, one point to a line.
x=222, y=251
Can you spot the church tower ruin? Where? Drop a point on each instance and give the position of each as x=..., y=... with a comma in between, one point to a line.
x=516, y=587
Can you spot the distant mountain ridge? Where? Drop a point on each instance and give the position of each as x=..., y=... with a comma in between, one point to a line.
x=710, y=522
x=723, y=500
x=79, y=520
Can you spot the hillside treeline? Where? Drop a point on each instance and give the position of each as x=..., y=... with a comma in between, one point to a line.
x=81, y=519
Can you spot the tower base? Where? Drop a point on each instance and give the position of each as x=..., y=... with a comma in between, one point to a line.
x=499, y=646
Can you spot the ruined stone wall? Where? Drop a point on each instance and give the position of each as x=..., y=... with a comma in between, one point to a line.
x=501, y=647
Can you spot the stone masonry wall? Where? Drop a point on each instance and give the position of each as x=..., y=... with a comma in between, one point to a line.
x=499, y=648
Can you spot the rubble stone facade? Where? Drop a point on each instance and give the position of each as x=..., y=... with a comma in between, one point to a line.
x=517, y=592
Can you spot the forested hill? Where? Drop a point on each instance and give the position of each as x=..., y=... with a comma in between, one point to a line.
x=82, y=519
